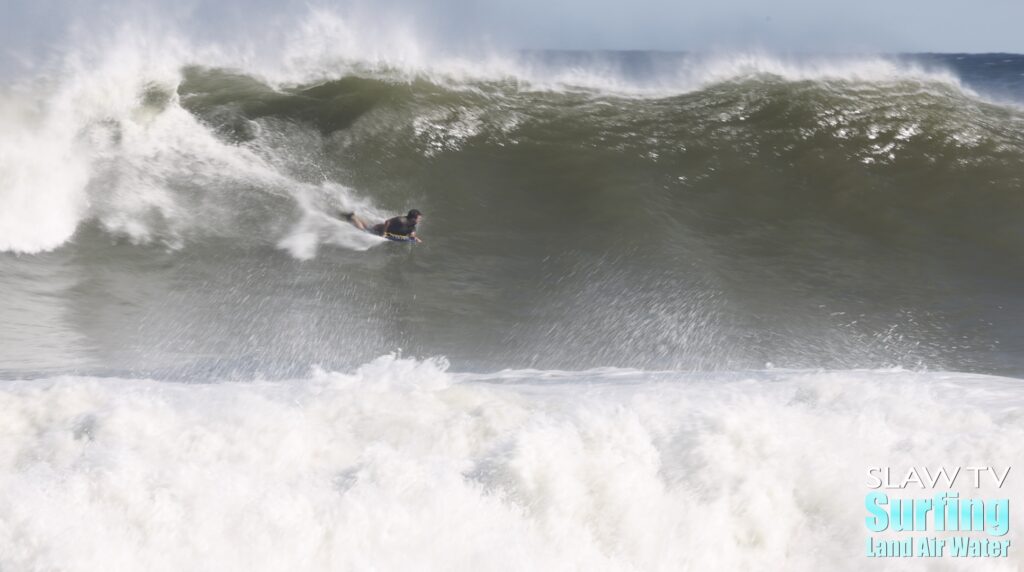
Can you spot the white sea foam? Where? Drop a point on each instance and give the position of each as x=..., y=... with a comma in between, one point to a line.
x=106, y=139
x=402, y=465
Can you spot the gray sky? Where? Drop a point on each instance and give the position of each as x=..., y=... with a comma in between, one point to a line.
x=791, y=25
x=29, y=26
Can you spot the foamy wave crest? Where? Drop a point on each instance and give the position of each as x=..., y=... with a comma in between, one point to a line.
x=104, y=138
x=42, y=176
x=401, y=464
x=327, y=45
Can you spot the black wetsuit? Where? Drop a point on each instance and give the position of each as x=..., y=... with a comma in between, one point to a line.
x=399, y=225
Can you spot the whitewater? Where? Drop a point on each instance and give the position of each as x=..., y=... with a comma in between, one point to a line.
x=402, y=465
x=669, y=308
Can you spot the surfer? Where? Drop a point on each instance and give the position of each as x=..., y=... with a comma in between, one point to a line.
x=399, y=226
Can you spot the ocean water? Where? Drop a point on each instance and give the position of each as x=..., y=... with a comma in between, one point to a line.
x=668, y=310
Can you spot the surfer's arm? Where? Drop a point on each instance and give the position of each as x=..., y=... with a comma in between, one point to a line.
x=414, y=237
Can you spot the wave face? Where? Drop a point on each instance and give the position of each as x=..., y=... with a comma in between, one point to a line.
x=631, y=210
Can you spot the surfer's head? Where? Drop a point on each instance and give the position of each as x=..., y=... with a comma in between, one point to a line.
x=414, y=216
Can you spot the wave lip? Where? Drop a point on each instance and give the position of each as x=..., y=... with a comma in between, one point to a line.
x=327, y=46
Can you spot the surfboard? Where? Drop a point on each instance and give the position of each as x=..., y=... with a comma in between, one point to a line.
x=399, y=238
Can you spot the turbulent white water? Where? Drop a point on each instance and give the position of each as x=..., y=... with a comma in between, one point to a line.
x=402, y=465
